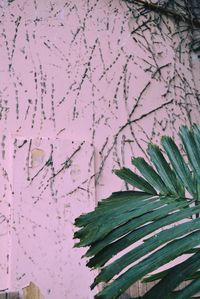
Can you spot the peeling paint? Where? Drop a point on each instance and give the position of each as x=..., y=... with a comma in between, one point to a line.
x=37, y=157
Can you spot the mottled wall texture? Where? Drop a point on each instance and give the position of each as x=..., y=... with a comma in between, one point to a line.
x=84, y=85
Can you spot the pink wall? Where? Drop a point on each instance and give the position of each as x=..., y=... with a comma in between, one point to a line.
x=77, y=85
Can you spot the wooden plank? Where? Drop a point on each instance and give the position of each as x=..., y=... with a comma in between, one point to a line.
x=32, y=292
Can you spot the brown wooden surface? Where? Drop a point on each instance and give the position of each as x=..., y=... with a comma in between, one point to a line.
x=32, y=292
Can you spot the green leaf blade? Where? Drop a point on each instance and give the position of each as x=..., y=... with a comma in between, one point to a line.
x=149, y=264
x=157, y=215
x=191, y=150
x=117, y=201
x=150, y=175
x=174, y=277
x=94, y=231
x=178, y=163
x=164, y=170
x=135, y=180
x=120, y=244
x=151, y=244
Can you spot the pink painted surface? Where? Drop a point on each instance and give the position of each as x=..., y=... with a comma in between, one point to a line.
x=73, y=71
x=50, y=189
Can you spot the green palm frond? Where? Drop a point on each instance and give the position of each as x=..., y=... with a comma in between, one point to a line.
x=148, y=214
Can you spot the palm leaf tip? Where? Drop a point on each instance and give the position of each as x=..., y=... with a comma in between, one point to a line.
x=150, y=175
x=135, y=180
x=191, y=149
x=180, y=167
x=165, y=171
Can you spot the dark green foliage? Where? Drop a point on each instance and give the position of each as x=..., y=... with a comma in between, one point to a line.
x=147, y=214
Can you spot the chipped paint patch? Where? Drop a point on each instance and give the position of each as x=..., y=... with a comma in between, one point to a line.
x=37, y=157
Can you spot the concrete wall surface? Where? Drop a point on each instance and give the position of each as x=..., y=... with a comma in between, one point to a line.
x=84, y=85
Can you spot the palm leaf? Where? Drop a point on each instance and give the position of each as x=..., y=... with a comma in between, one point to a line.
x=165, y=171
x=150, y=175
x=150, y=245
x=191, y=149
x=147, y=214
x=136, y=226
x=149, y=264
x=130, y=177
x=190, y=290
x=174, y=277
x=179, y=166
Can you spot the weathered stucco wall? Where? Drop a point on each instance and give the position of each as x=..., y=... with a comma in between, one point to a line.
x=83, y=87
